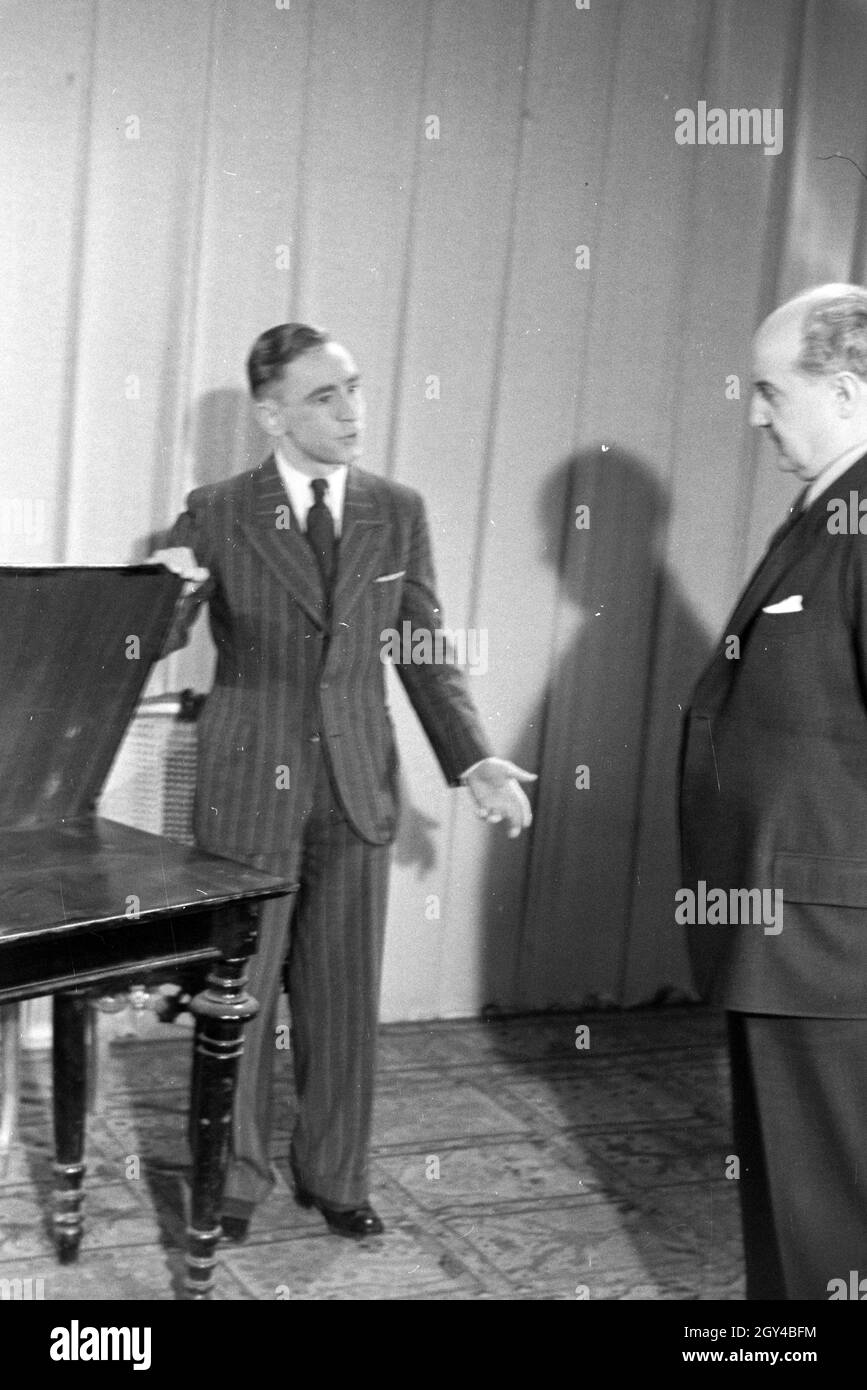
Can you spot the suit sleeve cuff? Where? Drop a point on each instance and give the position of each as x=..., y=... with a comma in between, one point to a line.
x=462, y=776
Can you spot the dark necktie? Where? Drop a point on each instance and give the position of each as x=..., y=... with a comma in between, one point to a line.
x=320, y=532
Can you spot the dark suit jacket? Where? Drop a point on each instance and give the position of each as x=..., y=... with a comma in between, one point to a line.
x=774, y=775
x=287, y=675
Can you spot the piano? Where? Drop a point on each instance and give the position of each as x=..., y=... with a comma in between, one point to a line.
x=89, y=906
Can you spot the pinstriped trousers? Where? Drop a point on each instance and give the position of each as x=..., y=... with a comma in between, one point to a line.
x=326, y=943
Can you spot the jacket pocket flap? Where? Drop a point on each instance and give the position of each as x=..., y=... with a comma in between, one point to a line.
x=818, y=878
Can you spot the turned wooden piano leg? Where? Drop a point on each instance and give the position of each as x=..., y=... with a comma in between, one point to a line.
x=69, y=1056
x=221, y=1010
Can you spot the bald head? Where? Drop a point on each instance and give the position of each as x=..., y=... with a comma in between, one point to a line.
x=831, y=325
x=810, y=377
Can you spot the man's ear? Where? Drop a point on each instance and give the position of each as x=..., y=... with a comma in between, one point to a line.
x=267, y=413
x=850, y=393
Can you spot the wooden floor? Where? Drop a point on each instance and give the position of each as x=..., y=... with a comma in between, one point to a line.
x=509, y=1164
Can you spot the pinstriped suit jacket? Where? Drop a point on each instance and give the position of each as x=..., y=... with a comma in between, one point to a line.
x=287, y=674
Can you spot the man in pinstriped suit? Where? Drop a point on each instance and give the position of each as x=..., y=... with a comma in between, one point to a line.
x=297, y=763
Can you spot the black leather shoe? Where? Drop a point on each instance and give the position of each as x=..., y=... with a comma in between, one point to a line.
x=236, y=1228
x=354, y=1222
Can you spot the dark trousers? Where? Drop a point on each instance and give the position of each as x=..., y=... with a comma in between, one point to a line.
x=326, y=942
x=799, y=1088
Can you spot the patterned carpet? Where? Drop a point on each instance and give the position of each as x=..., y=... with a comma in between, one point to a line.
x=509, y=1164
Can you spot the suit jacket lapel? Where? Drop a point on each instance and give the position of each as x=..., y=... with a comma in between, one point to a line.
x=716, y=680
x=284, y=550
x=783, y=554
x=362, y=541
x=777, y=560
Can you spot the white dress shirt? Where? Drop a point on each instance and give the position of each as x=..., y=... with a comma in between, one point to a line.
x=297, y=485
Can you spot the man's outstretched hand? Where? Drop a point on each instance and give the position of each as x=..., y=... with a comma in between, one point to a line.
x=494, y=785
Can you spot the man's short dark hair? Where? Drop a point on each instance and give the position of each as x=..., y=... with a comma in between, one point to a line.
x=834, y=335
x=274, y=349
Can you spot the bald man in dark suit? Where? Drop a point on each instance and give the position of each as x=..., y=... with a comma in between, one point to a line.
x=774, y=798
x=306, y=563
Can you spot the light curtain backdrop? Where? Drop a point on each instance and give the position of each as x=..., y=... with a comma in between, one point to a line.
x=178, y=177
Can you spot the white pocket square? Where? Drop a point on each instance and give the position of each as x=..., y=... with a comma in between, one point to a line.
x=383, y=578
x=793, y=604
